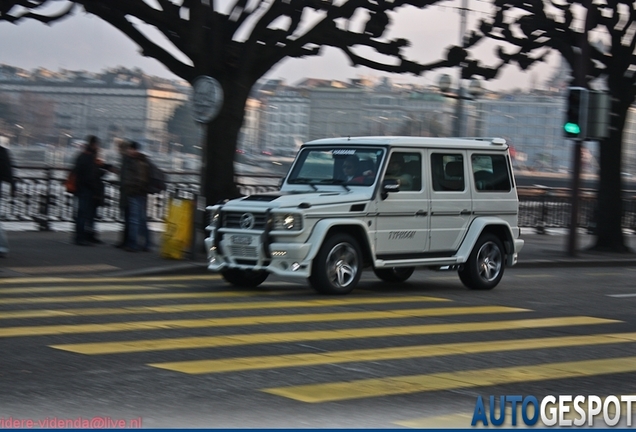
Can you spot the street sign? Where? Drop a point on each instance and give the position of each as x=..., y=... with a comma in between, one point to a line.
x=207, y=99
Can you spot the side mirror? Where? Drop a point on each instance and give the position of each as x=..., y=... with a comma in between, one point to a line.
x=389, y=185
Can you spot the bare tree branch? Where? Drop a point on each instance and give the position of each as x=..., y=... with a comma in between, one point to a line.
x=31, y=5
x=148, y=47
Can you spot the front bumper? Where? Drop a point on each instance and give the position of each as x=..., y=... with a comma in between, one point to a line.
x=283, y=259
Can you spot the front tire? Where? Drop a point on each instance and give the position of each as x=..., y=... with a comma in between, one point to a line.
x=485, y=266
x=338, y=265
x=394, y=274
x=244, y=278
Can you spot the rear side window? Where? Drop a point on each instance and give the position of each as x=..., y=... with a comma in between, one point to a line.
x=491, y=173
x=447, y=171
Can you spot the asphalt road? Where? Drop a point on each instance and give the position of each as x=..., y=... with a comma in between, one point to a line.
x=190, y=351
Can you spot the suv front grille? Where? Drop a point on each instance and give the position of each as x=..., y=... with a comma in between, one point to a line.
x=233, y=220
x=244, y=251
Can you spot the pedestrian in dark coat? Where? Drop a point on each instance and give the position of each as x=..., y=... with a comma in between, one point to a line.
x=89, y=192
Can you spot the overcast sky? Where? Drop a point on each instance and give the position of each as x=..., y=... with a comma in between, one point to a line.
x=83, y=42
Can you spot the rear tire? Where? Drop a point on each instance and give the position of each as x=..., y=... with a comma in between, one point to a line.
x=485, y=266
x=394, y=274
x=244, y=278
x=338, y=265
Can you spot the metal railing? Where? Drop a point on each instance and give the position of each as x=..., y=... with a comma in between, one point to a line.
x=543, y=208
x=42, y=198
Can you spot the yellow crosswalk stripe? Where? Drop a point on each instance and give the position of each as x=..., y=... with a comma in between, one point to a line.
x=338, y=334
x=36, y=290
x=38, y=280
x=64, y=269
x=248, y=321
x=394, y=353
x=338, y=391
x=207, y=307
x=126, y=297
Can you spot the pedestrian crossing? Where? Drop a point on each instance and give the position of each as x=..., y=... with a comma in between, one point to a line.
x=151, y=318
x=166, y=344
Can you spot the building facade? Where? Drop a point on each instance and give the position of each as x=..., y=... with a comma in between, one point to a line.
x=532, y=124
x=59, y=108
x=286, y=117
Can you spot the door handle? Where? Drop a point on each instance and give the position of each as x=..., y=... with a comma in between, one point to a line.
x=421, y=213
x=465, y=212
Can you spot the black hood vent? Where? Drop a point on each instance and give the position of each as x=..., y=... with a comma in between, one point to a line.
x=262, y=198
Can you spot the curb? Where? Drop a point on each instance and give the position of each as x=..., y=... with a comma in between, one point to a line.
x=574, y=262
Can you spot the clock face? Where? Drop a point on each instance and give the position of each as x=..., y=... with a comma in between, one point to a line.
x=207, y=100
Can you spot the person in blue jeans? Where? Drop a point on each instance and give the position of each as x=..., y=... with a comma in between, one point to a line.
x=134, y=183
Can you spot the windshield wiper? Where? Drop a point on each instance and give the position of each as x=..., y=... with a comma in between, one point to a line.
x=303, y=180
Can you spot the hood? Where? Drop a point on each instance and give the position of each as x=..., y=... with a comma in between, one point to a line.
x=299, y=199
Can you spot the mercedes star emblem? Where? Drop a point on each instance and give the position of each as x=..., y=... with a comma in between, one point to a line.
x=247, y=221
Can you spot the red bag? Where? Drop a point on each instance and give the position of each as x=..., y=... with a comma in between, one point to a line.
x=70, y=183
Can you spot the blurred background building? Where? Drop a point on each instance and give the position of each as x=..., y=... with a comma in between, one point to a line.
x=45, y=116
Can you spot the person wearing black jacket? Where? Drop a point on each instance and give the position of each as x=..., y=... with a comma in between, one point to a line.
x=89, y=192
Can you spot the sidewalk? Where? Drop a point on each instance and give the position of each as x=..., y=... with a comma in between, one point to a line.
x=51, y=254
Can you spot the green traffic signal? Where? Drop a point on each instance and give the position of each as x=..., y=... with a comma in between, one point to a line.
x=572, y=128
x=575, y=123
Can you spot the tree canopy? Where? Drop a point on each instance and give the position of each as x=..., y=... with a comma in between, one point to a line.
x=238, y=41
x=252, y=34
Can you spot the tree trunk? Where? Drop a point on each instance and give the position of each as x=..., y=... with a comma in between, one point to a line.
x=219, y=149
x=609, y=234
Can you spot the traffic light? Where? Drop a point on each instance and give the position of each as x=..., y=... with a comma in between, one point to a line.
x=598, y=115
x=575, y=125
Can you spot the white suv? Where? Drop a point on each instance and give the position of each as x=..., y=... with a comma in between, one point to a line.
x=389, y=203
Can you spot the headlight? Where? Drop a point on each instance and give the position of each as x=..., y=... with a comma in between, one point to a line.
x=288, y=222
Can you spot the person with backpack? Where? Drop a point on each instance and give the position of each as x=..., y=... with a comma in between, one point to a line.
x=135, y=181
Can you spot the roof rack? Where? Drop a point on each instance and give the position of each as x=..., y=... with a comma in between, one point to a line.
x=493, y=140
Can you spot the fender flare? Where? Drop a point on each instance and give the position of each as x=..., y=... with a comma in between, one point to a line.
x=322, y=228
x=475, y=230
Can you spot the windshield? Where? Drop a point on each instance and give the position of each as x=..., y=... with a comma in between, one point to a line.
x=337, y=166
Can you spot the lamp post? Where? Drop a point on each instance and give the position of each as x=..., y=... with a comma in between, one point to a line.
x=475, y=89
